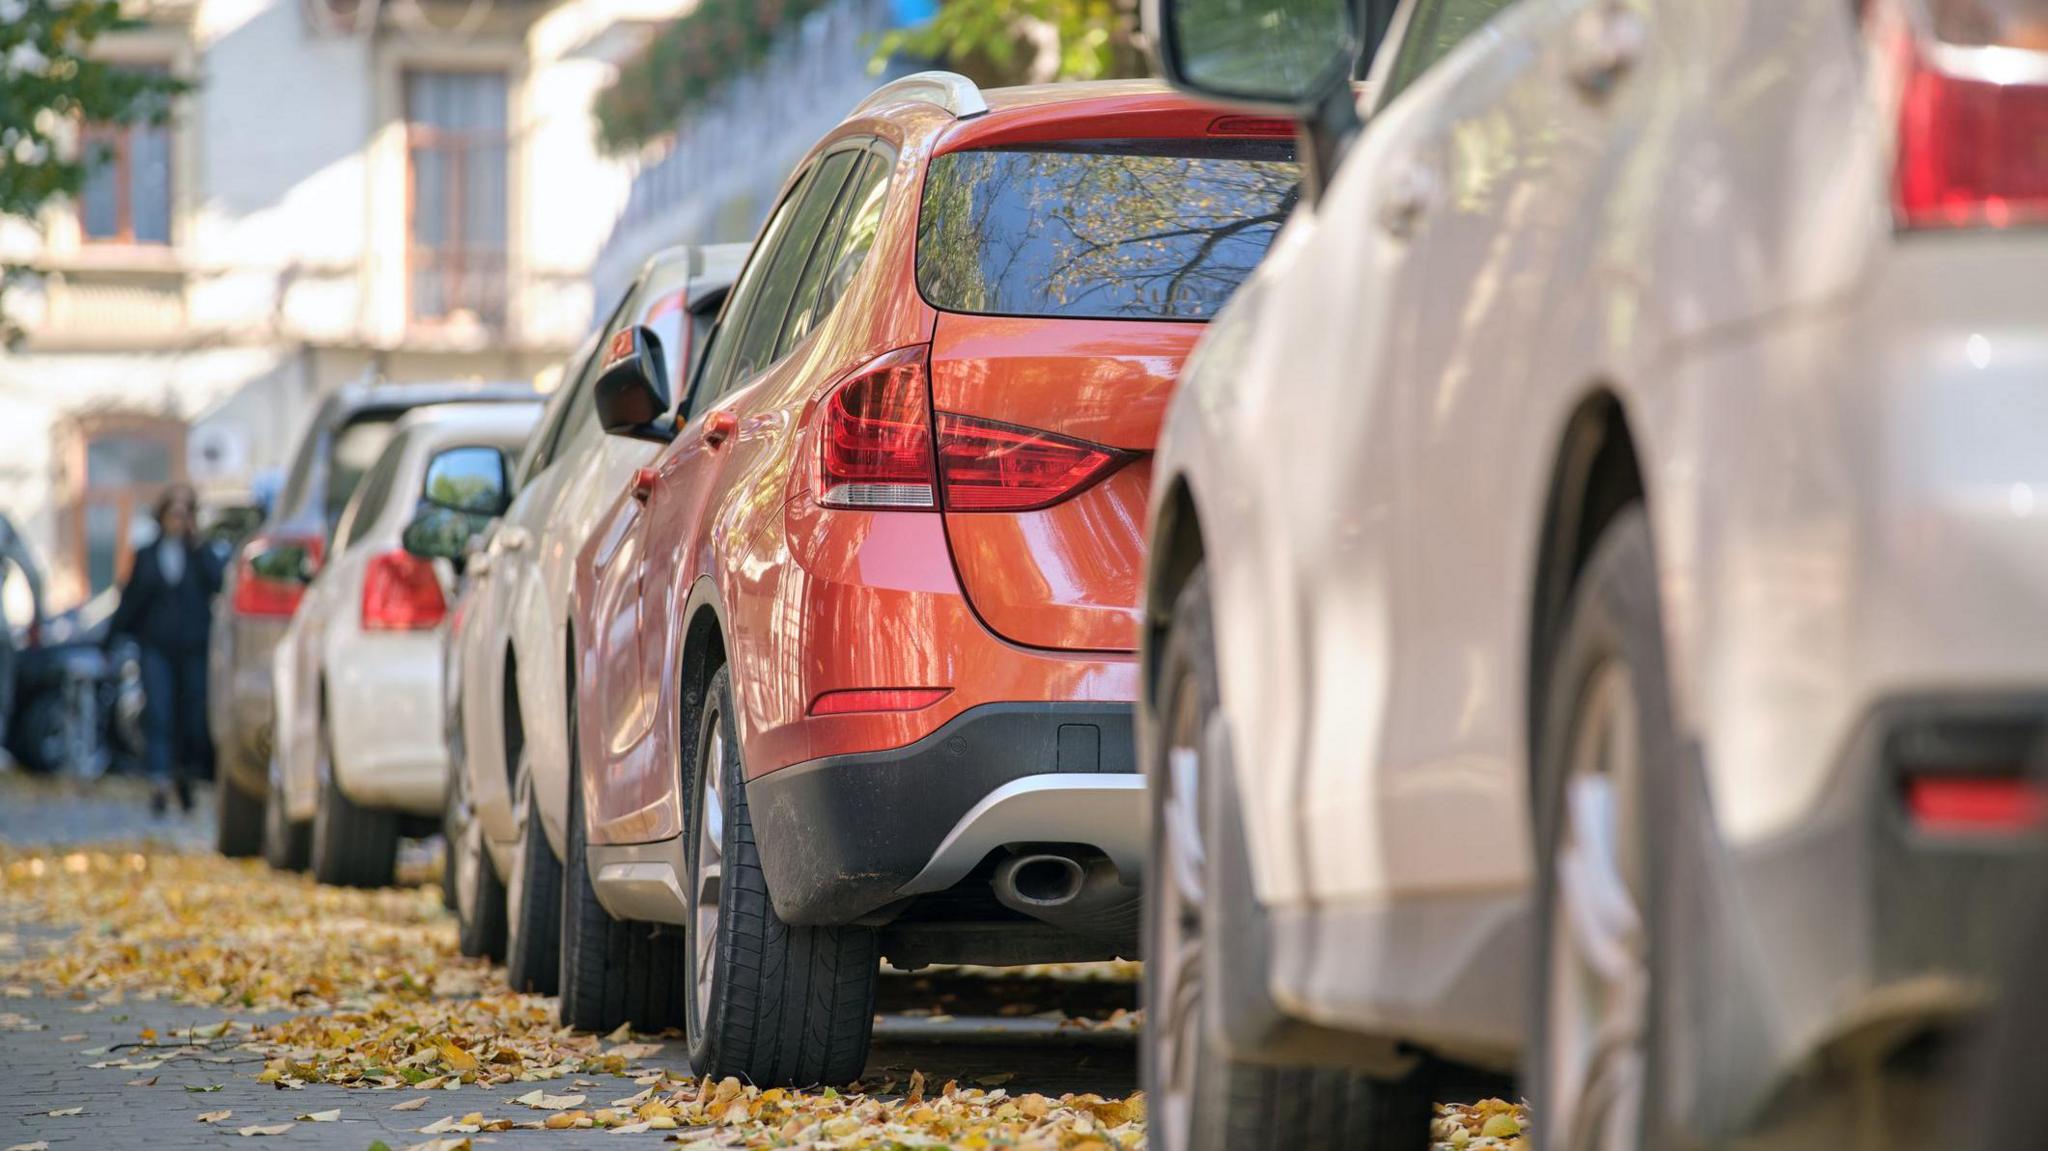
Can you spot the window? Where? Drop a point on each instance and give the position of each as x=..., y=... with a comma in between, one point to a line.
x=851, y=233
x=716, y=375
x=540, y=447
x=1434, y=28
x=768, y=308
x=350, y=453
x=1126, y=229
x=127, y=193
x=377, y=487
x=456, y=148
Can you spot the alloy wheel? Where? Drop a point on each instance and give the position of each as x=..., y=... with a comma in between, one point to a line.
x=516, y=878
x=710, y=868
x=466, y=853
x=1598, y=990
x=1181, y=899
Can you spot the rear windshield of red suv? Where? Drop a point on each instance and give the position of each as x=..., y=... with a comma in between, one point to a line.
x=1119, y=229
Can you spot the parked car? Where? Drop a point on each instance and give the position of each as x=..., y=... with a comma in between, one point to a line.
x=510, y=746
x=1597, y=553
x=360, y=750
x=853, y=658
x=264, y=584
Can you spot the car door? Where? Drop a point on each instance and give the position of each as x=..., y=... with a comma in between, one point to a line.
x=670, y=533
x=494, y=587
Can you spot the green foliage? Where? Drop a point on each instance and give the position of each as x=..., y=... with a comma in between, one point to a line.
x=687, y=62
x=999, y=41
x=48, y=83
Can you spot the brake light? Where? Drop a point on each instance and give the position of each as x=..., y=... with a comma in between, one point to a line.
x=401, y=593
x=1250, y=126
x=877, y=699
x=985, y=466
x=1971, y=148
x=1961, y=804
x=272, y=596
x=875, y=437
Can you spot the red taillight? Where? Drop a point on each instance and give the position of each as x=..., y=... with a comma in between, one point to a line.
x=877, y=699
x=272, y=596
x=401, y=593
x=1963, y=804
x=985, y=466
x=875, y=437
x=1972, y=150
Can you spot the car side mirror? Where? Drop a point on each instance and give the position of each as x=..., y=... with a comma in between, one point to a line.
x=632, y=387
x=284, y=561
x=441, y=533
x=471, y=480
x=1282, y=55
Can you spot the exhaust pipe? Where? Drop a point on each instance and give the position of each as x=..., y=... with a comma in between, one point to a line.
x=1082, y=894
x=1039, y=881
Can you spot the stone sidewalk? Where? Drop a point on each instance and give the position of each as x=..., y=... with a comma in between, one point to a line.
x=47, y=1045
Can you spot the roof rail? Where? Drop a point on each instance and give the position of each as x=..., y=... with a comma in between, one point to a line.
x=949, y=90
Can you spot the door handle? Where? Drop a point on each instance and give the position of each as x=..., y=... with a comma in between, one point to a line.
x=513, y=539
x=1408, y=197
x=480, y=565
x=644, y=481
x=719, y=427
x=1607, y=40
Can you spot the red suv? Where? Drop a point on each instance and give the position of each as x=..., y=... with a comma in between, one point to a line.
x=855, y=657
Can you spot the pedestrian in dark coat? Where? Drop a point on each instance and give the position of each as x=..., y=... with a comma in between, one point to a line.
x=167, y=606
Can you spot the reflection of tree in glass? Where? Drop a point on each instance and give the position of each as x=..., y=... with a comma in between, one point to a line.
x=471, y=493
x=1092, y=234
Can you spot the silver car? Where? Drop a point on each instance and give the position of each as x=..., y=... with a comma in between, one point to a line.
x=263, y=586
x=1599, y=590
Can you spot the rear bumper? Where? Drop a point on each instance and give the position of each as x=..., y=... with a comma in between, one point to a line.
x=845, y=836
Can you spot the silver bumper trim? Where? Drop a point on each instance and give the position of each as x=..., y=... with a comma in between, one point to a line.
x=1106, y=812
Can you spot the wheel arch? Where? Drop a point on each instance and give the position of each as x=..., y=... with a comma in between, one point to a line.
x=1595, y=475
x=1176, y=550
x=700, y=653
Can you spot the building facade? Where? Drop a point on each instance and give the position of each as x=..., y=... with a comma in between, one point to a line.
x=395, y=189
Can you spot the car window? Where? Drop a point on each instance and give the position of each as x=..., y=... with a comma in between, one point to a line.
x=713, y=378
x=832, y=265
x=770, y=306
x=362, y=512
x=355, y=447
x=300, y=476
x=1434, y=28
x=663, y=308
x=1116, y=229
x=539, y=446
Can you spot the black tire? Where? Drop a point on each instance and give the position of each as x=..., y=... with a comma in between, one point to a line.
x=1231, y=1105
x=287, y=846
x=786, y=1005
x=1612, y=627
x=475, y=893
x=353, y=845
x=613, y=970
x=533, y=909
x=239, y=832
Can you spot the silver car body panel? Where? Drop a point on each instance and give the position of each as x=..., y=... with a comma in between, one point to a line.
x=1839, y=429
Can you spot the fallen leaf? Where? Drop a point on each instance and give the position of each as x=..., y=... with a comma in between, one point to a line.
x=73, y=1038
x=206, y=1090
x=410, y=1104
x=272, y=1129
x=320, y=1116
x=638, y=1050
x=623, y=1033
x=545, y=1102
x=149, y=1082
x=64, y=1112
x=216, y=1116
x=38, y=1145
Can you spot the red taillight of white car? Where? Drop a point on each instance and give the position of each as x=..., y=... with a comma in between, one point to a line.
x=401, y=592
x=1972, y=148
x=877, y=450
x=265, y=594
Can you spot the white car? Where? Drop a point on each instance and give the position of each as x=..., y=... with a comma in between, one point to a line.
x=360, y=753
x=1599, y=587
x=510, y=726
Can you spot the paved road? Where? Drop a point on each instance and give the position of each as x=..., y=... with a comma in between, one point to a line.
x=947, y=1028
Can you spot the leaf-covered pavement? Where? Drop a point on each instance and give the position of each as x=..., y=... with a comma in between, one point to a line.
x=349, y=1008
